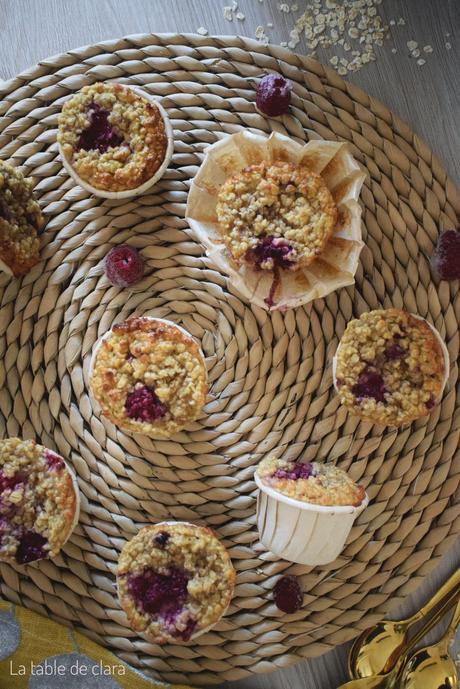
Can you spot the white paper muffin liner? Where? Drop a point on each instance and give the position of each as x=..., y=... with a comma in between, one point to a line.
x=200, y=631
x=337, y=264
x=303, y=532
x=128, y=193
x=95, y=404
x=444, y=350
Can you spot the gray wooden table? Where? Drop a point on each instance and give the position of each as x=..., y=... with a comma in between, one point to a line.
x=426, y=96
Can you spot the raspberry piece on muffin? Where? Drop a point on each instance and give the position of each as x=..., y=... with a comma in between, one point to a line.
x=20, y=221
x=318, y=483
x=114, y=138
x=149, y=376
x=390, y=367
x=39, y=501
x=175, y=581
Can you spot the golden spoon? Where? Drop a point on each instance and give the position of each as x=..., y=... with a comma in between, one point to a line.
x=389, y=679
x=376, y=650
x=432, y=666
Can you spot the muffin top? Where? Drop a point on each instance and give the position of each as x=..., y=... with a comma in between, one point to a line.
x=20, y=219
x=277, y=215
x=114, y=138
x=149, y=376
x=38, y=502
x=174, y=580
x=313, y=482
x=390, y=367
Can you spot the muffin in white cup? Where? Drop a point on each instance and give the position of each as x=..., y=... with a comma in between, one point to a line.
x=39, y=501
x=115, y=140
x=148, y=375
x=390, y=367
x=305, y=511
x=175, y=581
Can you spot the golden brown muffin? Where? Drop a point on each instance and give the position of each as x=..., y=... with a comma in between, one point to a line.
x=114, y=138
x=39, y=501
x=175, y=580
x=149, y=376
x=276, y=215
x=313, y=482
x=20, y=220
x=390, y=367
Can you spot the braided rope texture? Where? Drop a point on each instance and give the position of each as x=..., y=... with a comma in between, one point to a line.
x=270, y=375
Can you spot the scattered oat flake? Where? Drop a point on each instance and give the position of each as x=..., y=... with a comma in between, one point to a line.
x=421, y=61
x=415, y=53
x=240, y=16
x=294, y=8
x=283, y=44
x=448, y=45
x=427, y=49
x=283, y=7
x=392, y=22
x=270, y=25
x=234, y=5
x=228, y=13
x=401, y=22
x=412, y=45
x=393, y=50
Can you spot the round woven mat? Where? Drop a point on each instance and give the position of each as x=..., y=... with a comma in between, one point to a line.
x=270, y=375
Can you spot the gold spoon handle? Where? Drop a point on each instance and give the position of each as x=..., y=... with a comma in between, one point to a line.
x=446, y=589
x=428, y=626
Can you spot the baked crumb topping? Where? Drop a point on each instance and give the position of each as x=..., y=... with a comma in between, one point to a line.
x=283, y=204
x=174, y=580
x=113, y=137
x=37, y=501
x=390, y=367
x=149, y=376
x=314, y=482
x=20, y=219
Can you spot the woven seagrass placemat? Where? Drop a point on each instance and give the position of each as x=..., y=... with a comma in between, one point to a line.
x=270, y=375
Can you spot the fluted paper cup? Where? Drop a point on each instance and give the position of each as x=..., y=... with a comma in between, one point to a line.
x=335, y=267
x=300, y=531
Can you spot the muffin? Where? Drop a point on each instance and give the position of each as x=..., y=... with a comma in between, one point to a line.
x=390, y=367
x=20, y=220
x=281, y=219
x=175, y=581
x=149, y=376
x=276, y=215
x=39, y=501
x=114, y=139
x=305, y=511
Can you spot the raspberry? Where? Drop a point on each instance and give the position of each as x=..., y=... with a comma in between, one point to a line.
x=395, y=351
x=273, y=95
x=445, y=261
x=298, y=470
x=31, y=547
x=99, y=134
x=54, y=461
x=123, y=266
x=163, y=594
x=7, y=483
x=161, y=540
x=143, y=405
x=270, y=253
x=370, y=384
x=287, y=594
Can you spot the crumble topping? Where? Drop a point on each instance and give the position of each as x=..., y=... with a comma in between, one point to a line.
x=113, y=137
x=20, y=219
x=37, y=501
x=390, y=367
x=174, y=580
x=314, y=482
x=149, y=377
x=270, y=209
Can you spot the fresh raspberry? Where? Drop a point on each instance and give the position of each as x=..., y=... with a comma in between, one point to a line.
x=270, y=253
x=161, y=540
x=163, y=594
x=445, y=261
x=287, y=594
x=273, y=95
x=123, y=266
x=143, y=405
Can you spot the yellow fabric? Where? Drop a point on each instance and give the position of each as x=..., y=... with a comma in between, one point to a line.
x=32, y=642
